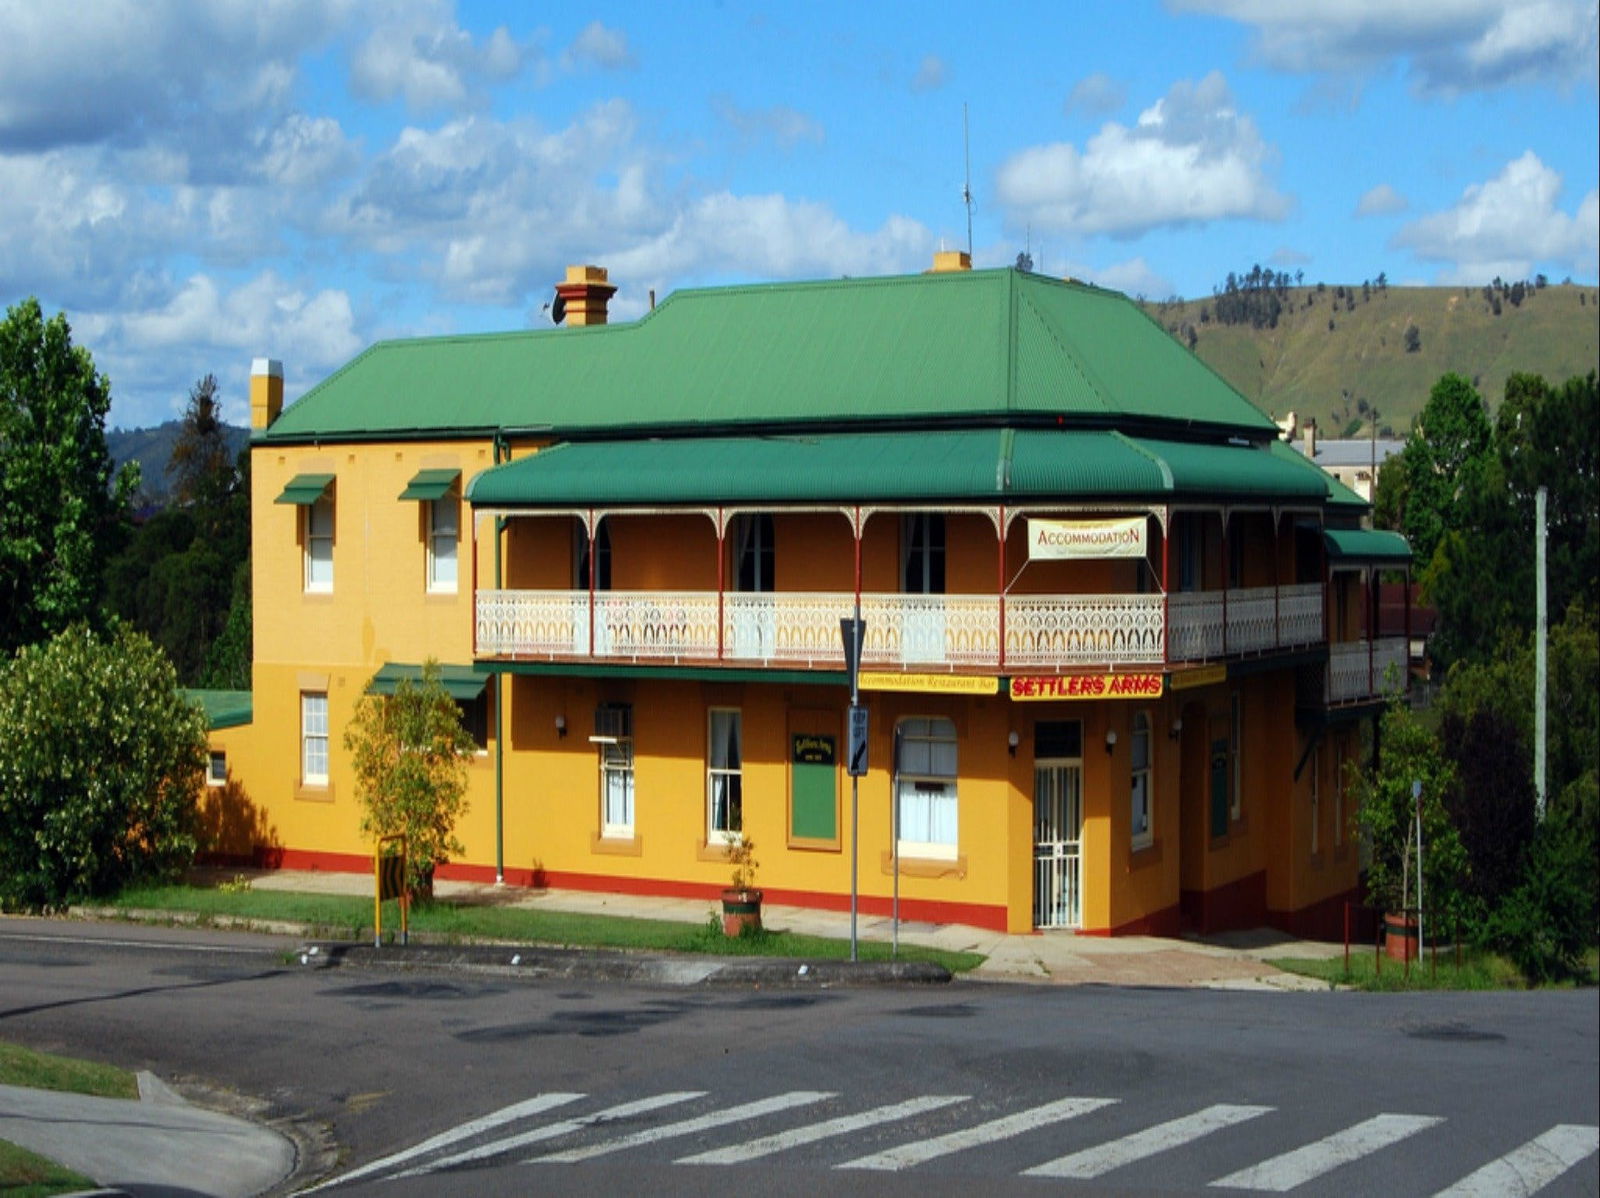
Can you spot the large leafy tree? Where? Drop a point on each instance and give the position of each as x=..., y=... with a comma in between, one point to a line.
x=102, y=768
x=60, y=512
x=1443, y=459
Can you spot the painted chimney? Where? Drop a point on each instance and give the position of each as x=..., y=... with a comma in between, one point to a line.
x=266, y=392
x=1311, y=439
x=945, y=261
x=585, y=293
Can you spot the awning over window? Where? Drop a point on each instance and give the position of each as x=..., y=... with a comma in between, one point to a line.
x=305, y=489
x=429, y=485
x=224, y=709
x=462, y=682
x=1366, y=546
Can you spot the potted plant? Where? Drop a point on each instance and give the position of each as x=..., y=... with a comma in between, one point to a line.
x=741, y=901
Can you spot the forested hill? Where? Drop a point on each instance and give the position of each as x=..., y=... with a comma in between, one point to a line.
x=1337, y=352
x=152, y=449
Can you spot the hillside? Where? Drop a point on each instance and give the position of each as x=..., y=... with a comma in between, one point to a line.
x=1336, y=357
x=152, y=449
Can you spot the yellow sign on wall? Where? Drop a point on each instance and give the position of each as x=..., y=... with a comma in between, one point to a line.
x=1049, y=687
x=938, y=684
x=1204, y=676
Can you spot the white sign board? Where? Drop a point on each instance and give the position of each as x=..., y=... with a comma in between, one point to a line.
x=1055, y=540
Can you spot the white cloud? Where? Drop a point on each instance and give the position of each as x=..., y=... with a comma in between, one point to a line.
x=931, y=75
x=419, y=53
x=1507, y=226
x=780, y=124
x=1191, y=158
x=1134, y=277
x=1450, y=45
x=1096, y=95
x=598, y=48
x=1380, y=201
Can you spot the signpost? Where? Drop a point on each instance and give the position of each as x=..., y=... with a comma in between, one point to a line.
x=389, y=882
x=853, y=631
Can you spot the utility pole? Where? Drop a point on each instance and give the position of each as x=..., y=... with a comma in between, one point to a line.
x=1540, y=673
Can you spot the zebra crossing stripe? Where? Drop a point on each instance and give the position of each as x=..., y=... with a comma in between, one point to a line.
x=464, y=1131
x=1528, y=1169
x=1295, y=1168
x=1103, y=1158
x=551, y=1131
x=737, y=1114
x=920, y=1151
x=740, y=1153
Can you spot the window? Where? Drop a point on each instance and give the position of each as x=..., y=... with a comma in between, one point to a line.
x=1235, y=557
x=1140, y=784
x=1189, y=541
x=613, y=732
x=724, y=779
x=922, y=554
x=1236, y=754
x=1338, y=798
x=319, y=544
x=601, y=559
x=444, y=537
x=925, y=787
x=1316, y=798
x=753, y=553
x=475, y=719
x=314, y=738
x=217, y=768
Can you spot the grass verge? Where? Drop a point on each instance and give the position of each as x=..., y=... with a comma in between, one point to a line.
x=348, y=917
x=44, y=1071
x=1477, y=971
x=25, y=1175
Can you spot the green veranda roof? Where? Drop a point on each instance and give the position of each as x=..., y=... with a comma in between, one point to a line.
x=1367, y=546
x=967, y=464
x=970, y=346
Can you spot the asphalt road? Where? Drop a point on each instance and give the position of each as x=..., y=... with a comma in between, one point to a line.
x=600, y=1088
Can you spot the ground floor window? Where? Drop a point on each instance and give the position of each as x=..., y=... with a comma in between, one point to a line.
x=925, y=786
x=1140, y=783
x=1316, y=799
x=614, y=735
x=724, y=778
x=1236, y=755
x=217, y=768
x=314, y=738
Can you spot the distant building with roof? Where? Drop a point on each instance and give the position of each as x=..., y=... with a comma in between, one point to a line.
x=1118, y=635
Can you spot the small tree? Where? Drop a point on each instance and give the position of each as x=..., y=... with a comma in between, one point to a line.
x=410, y=755
x=101, y=770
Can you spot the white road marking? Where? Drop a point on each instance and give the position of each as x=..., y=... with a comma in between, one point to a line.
x=1103, y=1158
x=464, y=1131
x=920, y=1151
x=737, y=1114
x=810, y=1134
x=1528, y=1169
x=1295, y=1168
x=177, y=946
x=552, y=1130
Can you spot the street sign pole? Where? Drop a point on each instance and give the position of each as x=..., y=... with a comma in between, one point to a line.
x=853, y=632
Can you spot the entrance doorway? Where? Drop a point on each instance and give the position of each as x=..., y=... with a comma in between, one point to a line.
x=1058, y=824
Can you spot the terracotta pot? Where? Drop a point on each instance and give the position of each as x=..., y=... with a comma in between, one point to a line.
x=1400, y=936
x=741, y=909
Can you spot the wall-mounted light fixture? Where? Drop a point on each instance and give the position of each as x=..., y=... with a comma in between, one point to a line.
x=1012, y=741
x=561, y=726
x=1177, y=728
x=1111, y=740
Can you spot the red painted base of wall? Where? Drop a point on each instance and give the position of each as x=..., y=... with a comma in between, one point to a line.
x=1166, y=922
x=975, y=915
x=1325, y=920
x=1241, y=904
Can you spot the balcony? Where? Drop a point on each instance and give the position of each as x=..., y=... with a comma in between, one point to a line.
x=918, y=632
x=1359, y=671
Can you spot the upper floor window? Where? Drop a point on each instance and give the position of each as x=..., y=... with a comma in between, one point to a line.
x=925, y=786
x=724, y=778
x=319, y=543
x=599, y=561
x=444, y=538
x=754, y=554
x=1189, y=542
x=922, y=554
x=1235, y=555
x=1140, y=784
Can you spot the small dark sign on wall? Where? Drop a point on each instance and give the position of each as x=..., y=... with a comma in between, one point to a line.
x=813, y=749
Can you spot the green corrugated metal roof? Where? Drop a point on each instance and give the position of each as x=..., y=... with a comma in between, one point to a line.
x=430, y=484
x=975, y=345
x=305, y=488
x=969, y=464
x=1367, y=545
x=224, y=709
x=462, y=682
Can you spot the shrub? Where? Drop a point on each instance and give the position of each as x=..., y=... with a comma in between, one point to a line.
x=101, y=771
x=1545, y=924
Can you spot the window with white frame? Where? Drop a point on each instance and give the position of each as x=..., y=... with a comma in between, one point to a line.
x=925, y=786
x=314, y=738
x=613, y=724
x=444, y=539
x=1236, y=753
x=1316, y=799
x=217, y=768
x=1139, y=787
x=319, y=543
x=724, y=778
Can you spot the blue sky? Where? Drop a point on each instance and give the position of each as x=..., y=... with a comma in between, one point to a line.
x=197, y=184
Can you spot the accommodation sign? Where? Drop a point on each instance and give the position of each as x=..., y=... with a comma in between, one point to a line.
x=1054, y=540
x=1050, y=687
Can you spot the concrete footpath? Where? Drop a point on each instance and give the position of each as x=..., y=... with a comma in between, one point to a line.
x=161, y=1145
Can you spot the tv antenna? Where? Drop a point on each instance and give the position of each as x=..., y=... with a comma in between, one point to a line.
x=966, y=186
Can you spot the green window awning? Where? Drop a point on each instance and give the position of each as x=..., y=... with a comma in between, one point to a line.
x=464, y=683
x=305, y=489
x=429, y=485
x=224, y=709
x=1367, y=546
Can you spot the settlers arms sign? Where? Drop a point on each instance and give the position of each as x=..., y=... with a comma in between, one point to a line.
x=1053, y=540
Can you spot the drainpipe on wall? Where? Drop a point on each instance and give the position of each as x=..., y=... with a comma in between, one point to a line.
x=502, y=452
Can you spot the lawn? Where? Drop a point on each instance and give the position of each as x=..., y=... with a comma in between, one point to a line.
x=349, y=917
x=23, y=1174
x=1478, y=971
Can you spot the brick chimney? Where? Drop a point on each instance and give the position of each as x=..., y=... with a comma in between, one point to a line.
x=266, y=392
x=585, y=292
x=1311, y=440
x=945, y=261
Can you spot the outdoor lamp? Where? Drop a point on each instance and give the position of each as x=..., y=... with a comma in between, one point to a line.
x=1111, y=740
x=1177, y=728
x=1012, y=740
x=561, y=726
